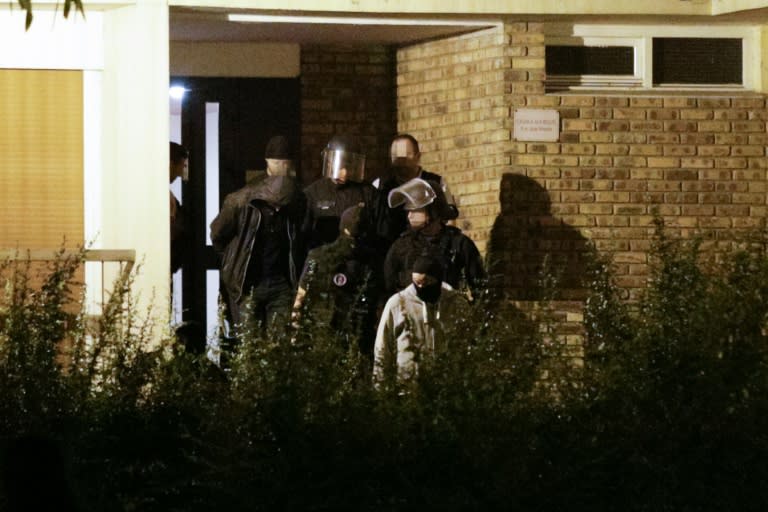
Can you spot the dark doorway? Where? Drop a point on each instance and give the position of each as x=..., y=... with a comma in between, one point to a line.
x=246, y=112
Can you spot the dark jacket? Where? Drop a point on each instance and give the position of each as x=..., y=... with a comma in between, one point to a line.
x=235, y=231
x=398, y=216
x=343, y=290
x=457, y=253
x=339, y=282
x=326, y=201
x=179, y=241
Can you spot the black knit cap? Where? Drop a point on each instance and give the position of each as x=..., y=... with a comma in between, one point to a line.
x=278, y=148
x=350, y=219
x=428, y=265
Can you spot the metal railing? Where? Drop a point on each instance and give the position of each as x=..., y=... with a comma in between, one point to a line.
x=125, y=257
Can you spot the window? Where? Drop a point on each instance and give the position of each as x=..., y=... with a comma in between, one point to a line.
x=645, y=57
x=601, y=63
x=590, y=60
x=706, y=60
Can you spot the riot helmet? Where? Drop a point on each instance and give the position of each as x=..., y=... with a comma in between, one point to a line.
x=417, y=194
x=343, y=160
x=412, y=194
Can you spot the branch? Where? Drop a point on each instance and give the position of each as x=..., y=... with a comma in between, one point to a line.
x=26, y=5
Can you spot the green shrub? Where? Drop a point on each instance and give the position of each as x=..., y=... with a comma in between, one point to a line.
x=668, y=413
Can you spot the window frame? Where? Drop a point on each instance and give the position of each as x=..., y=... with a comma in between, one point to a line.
x=640, y=37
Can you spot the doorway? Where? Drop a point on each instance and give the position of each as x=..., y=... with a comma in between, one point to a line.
x=225, y=124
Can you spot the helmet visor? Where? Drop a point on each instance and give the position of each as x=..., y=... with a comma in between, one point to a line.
x=413, y=195
x=343, y=166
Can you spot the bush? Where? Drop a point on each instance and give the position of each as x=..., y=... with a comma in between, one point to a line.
x=668, y=413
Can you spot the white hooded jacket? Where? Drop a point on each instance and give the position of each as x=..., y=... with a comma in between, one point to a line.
x=410, y=328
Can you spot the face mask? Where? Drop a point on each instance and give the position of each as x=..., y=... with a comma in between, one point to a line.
x=403, y=173
x=276, y=190
x=278, y=167
x=429, y=293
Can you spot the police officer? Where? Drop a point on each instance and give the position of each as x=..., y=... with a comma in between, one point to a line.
x=405, y=158
x=427, y=234
x=342, y=186
x=339, y=286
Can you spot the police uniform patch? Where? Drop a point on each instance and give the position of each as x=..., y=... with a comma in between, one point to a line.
x=339, y=279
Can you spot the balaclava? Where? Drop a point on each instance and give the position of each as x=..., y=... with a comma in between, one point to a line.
x=431, y=267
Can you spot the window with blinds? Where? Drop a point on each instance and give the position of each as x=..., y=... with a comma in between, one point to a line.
x=702, y=61
x=622, y=57
x=41, y=158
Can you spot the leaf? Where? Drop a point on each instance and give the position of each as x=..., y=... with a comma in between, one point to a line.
x=78, y=7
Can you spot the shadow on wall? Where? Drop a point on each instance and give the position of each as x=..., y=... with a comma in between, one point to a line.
x=529, y=245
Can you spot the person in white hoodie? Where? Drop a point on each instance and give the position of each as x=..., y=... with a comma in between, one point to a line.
x=418, y=321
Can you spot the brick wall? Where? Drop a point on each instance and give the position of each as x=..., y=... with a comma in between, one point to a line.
x=451, y=97
x=698, y=159
x=346, y=90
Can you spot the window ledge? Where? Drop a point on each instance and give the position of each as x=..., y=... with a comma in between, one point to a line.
x=660, y=92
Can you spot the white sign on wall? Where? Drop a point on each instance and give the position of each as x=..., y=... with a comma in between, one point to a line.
x=537, y=124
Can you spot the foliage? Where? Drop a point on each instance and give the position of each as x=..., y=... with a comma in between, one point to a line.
x=668, y=413
x=675, y=386
x=26, y=5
